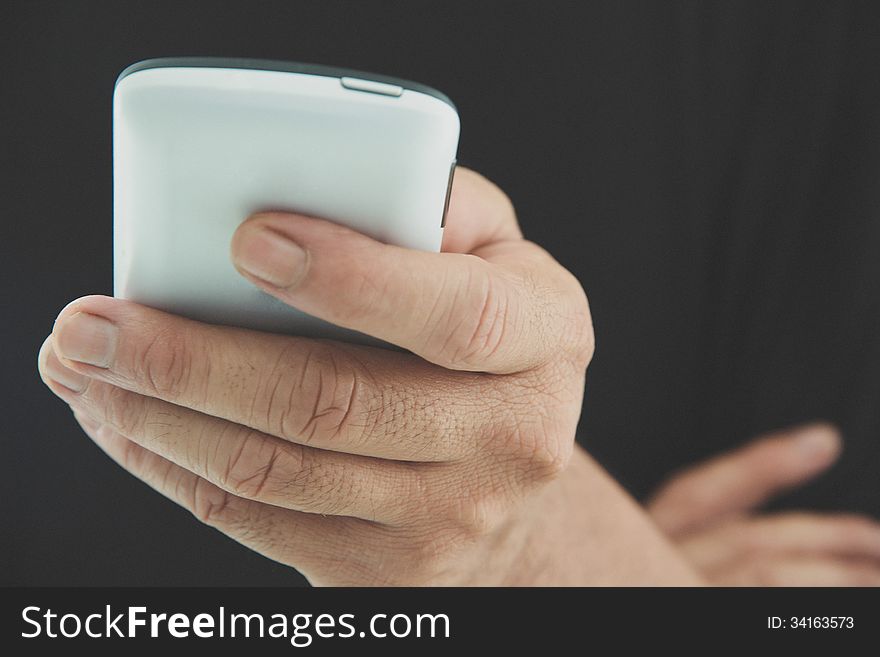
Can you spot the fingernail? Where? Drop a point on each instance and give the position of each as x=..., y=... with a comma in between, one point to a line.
x=87, y=339
x=819, y=443
x=56, y=371
x=271, y=257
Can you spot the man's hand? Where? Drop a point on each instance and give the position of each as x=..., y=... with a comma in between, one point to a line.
x=710, y=511
x=451, y=464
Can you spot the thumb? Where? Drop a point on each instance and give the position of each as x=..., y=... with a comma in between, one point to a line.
x=744, y=478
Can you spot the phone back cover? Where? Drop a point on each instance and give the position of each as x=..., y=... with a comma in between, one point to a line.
x=198, y=149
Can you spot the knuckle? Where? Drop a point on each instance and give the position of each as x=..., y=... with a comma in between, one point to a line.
x=476, y=516
x=261, y=469
x=491, y=328
x=558, y=294
x=582, y=338
x=270, y=402
x=328, y=401
x=479, y=508
x=164, y=364
x=551, y=459
x=538, y=450
x=131, y=456
x=565, y=300
x=481, y=316
x=209, y=504
x=253, y=469
x=122, y=409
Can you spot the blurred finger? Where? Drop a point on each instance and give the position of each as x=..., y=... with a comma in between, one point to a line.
x=745, y=478
x=799, y=571
x=832, y=535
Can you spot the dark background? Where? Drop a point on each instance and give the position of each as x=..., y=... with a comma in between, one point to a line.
x=711, y=172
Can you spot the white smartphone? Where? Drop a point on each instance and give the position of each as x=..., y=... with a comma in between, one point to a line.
x=201, y=143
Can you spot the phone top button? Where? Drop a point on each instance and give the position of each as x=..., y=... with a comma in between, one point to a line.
x=372, y=87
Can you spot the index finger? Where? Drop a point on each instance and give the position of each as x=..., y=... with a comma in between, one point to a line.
x=348, y=398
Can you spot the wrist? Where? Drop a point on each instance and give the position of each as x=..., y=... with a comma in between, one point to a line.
x=585, y=530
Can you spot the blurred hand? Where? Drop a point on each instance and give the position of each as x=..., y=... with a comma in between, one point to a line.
x=710, y=511
x=450, y=464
